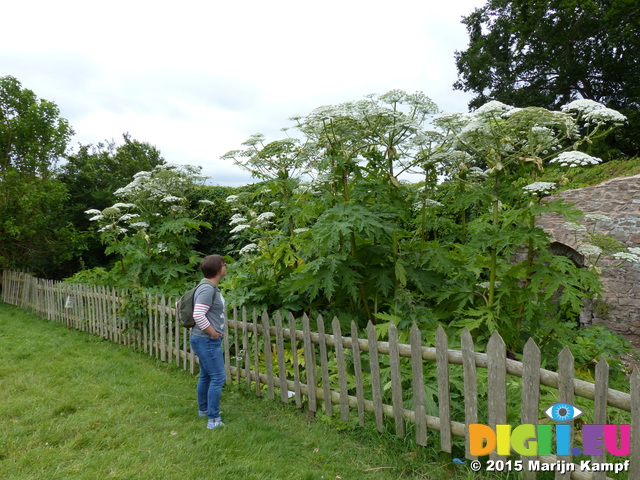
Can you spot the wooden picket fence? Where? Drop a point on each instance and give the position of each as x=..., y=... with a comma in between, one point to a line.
x=318, y=370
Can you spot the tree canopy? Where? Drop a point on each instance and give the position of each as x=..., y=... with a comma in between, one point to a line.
x=33, y=136
x=548, y=52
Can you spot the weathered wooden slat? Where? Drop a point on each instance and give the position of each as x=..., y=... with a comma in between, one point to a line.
x=417, y=382
x=444, y=406
x=185, y=348
x=530, y=395
x=374, y=365
x=163, y=329
x=282, y=366
x=600, y=408
x=357, y=368
x=228, y=340
x=396, y=381
x=342, y=370
x=256, y=353
x=310, y=364
x=565, y=394
x=268, y=357
x=497, y=385
x=295, y=361
x=170, y=329
x=246, y=348
x=236, y=342
x=470, y=387
x=324, y=365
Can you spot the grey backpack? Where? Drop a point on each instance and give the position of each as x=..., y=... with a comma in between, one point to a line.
x=184, y=306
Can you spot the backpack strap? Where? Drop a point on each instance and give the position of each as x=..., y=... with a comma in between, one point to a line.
x=202, y=282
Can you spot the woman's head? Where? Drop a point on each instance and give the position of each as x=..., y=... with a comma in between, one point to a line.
x=212, y=265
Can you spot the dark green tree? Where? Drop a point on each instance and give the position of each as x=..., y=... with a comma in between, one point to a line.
x=93, y=174
x=548, y=52
x=34, y=232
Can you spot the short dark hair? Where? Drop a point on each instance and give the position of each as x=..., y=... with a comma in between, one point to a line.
x=211, y=265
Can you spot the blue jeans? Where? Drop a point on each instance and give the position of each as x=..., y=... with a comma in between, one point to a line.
x=212, y=375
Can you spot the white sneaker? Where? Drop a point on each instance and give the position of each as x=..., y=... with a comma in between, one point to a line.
x=215, y=423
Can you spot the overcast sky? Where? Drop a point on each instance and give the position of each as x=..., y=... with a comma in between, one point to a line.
x=196, y=78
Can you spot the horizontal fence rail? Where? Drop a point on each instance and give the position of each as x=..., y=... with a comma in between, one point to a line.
x=319, y=370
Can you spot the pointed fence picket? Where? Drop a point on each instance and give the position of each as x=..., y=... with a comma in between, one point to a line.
x=319, y=369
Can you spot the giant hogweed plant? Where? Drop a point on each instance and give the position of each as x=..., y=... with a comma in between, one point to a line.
x=352, y=237
x=522, y=288
x=346, y=222
x=152, y=230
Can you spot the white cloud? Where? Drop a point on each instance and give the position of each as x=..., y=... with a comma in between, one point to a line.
x=196, y=78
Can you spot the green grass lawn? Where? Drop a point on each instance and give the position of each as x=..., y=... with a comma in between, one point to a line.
x=74, y=406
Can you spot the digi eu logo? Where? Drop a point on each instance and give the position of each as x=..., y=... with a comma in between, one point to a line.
x=532, y=440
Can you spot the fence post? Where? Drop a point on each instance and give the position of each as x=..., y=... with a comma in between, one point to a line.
x=418, y=385
x=396, y=381
x=357, y=367
x=374, y=364
x=529, y=413
x=294, y=359
x=497, y=385
x=326, y=386
x=246, y=347
x=342, y=370
x=256, y=355
x=600, y=408
x=267, y=354
x=470, y=387
x=309, y=365
x=442, y=363
x=565, y=394
x=282, y=366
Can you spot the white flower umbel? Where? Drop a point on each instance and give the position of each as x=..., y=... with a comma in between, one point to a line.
x=249, y=248
x=206, y=202
x=92, y=211
x=264, y=217
x=128, y=216
x=96, y=217
x=115, y=228
x=588, y=249
x=575, y=159
x=539, y=188
x=240, y=228
x=627, y=257
x=583, y=106
x=170, y=199
x=493, y=107
x=575, y=227
x=605, y=115
x=139, y=225
x=124, y=205
x=597, y=217
x=231, y=198
x=432, y=203
x=237, y=218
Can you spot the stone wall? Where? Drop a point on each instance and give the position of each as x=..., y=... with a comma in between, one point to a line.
x=619, y=199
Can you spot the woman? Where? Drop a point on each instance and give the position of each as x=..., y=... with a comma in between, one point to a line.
x=206, y=338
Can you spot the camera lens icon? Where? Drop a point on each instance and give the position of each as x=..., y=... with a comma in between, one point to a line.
x=563, y=412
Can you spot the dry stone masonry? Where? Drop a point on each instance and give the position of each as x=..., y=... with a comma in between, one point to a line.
x=619, y=200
